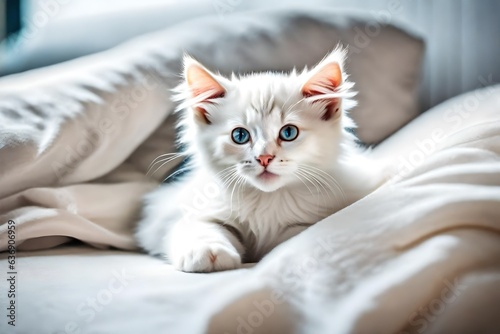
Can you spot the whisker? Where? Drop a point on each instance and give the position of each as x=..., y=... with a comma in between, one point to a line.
x=328, y=191
x=316, y=177
x=288, y=99
x=308, y=178
x=238, y=181
x=176, y=173
x=235, y=178
x=298, y=177
x=239, y=190
x=228, y=179
x=336, y=183
x=293, y=105
x=313, y=179
x=164, y=162
x=225, y=170
x=162, y=156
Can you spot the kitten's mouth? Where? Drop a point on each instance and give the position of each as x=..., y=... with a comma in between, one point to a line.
x=266, y=175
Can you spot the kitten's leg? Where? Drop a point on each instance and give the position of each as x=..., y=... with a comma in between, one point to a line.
x=198, y=246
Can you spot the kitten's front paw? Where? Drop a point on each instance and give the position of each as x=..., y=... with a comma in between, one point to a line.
x=207, y=257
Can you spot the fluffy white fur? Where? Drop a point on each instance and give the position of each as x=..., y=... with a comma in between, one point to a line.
x=227, y=210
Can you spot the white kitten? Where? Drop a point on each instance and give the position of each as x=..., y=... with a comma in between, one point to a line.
x=270, y=156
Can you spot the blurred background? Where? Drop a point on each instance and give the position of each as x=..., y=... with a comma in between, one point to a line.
x=462, y=36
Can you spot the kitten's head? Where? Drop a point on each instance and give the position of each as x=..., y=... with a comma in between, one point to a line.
x=269, y=130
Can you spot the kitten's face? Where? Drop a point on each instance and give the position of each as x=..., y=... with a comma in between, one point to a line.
x=266, y=130
x=272, y=139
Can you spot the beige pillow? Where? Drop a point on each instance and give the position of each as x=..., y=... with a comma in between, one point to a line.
x=384, y=60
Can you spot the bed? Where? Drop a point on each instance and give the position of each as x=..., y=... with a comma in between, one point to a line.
x=420, y=254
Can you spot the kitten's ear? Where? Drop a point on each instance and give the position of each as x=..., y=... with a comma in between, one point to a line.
x=203, y=85
x=324, y=81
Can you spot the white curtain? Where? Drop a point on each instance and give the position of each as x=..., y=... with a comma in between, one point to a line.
x=462, y=43
x=462, y=39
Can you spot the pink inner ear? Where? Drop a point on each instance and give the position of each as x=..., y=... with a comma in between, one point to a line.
x=324, y=81
x=201, y=82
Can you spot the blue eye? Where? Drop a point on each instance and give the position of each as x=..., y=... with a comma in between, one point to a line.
x=289, y=132
x=240, y=136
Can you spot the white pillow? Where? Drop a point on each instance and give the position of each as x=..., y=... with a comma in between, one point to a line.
x=384, y=60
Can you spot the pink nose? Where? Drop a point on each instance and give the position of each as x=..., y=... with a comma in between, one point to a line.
x=265, y=159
